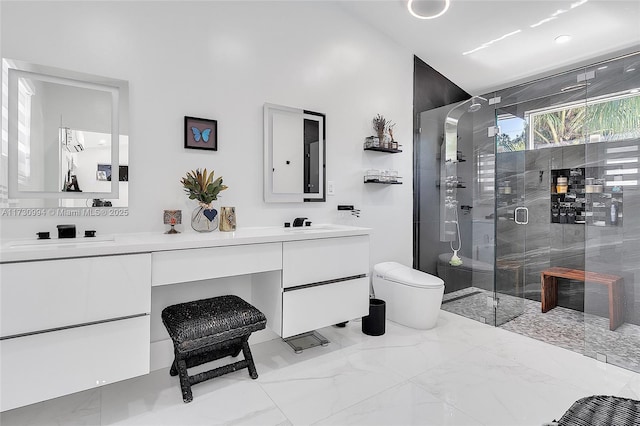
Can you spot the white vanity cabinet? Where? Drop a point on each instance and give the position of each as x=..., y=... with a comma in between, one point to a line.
x=72, y=324
x=324, y=282
x=76, y=315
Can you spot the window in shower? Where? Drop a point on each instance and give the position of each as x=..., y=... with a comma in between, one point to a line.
x=613, y=117
x=513, y=133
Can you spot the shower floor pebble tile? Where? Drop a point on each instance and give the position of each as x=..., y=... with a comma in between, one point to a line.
x=460, y=373
x=566, y=328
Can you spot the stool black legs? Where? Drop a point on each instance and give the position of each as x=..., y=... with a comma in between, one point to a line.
x=249, y=358
x=173, y=371
x=185, y=384
x=182, y=361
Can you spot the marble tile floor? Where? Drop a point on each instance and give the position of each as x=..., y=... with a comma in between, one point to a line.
x=567, y=328
x=460, y=373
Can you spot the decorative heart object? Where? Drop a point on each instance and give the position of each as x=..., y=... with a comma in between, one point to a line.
x=210, y=214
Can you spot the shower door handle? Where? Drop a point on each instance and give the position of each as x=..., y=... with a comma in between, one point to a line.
x=521, y=215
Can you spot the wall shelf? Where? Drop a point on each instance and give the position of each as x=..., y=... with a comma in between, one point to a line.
x=382, y=177
x=381, y=149
x=382, y=182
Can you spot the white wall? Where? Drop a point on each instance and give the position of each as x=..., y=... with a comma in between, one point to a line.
x=223, y=61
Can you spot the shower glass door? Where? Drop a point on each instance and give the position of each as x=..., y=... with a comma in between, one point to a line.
x=511, y=213
x=540, y=213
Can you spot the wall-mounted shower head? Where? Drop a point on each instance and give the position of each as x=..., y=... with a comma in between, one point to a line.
x=475, y=105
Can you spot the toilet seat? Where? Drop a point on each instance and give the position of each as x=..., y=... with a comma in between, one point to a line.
x=413, y=298
x=398, y=273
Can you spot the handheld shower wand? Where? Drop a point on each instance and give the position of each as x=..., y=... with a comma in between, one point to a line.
x=455, y=259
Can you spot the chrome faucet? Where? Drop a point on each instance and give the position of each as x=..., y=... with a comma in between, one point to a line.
x=299, y=221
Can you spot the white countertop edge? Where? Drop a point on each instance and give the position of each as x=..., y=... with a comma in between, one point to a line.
x=32, y=249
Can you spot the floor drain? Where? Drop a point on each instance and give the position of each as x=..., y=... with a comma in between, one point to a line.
x=461, y=297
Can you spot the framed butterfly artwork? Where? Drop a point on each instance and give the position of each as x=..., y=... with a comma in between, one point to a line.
x=200, y=133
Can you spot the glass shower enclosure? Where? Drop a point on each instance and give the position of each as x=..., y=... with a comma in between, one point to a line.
x=540, y=179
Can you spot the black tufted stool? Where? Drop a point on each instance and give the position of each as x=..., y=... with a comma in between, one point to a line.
x=210, y=329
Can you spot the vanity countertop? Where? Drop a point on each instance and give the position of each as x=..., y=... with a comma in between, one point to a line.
x=32, y=249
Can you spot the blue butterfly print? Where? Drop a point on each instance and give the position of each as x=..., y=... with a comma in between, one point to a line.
x=197, y=134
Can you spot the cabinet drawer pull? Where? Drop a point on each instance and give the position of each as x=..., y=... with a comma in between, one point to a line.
x=300, y=287
x=31, y=333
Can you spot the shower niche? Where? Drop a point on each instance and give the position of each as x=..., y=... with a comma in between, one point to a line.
x=582, y=196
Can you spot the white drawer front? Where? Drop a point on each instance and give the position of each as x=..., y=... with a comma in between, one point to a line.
x=57, y=293
x=178, y=266
x=311, y=308
x=306, y=262
x=43, y=366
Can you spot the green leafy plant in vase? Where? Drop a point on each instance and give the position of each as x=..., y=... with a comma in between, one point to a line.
x=200, y=186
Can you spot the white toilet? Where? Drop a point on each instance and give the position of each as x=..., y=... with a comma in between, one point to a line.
x=413, y=298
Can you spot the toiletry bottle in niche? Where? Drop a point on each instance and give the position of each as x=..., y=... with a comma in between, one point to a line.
x=555, y=213
x=614, y=213
x=563, y=215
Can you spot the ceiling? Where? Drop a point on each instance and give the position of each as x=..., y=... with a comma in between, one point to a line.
x=600, y=29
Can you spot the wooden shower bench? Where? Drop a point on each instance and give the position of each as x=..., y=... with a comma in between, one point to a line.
x=549, y=280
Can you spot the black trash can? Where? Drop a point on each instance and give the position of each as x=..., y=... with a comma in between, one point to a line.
x=373, y=324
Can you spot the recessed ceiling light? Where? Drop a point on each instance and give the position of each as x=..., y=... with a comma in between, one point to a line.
x=630, y=69
x=544, y=21
x=563, y=38
x=430, y=16
x=604, y=67
x=490, y=42
x=578, y=3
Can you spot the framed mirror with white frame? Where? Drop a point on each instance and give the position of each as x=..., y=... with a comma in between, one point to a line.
x=294, y=155
x=63, y=133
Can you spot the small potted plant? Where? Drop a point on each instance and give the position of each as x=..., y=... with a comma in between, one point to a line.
x=200, y=186
x=380, y=125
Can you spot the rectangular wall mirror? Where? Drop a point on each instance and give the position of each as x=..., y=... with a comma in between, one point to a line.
x=294, y=155
x=60, y=126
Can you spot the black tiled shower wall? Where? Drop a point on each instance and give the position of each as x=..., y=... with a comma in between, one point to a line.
x=608, y=249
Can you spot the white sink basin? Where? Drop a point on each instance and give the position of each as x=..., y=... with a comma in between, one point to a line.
x=321, y=227
x=62, y=242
